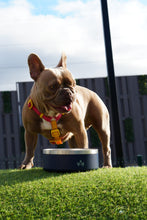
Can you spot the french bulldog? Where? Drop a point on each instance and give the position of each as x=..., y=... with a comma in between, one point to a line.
x=62, y=111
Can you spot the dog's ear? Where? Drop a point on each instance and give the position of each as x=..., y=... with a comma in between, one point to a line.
x=62, y=62
x=35, y=66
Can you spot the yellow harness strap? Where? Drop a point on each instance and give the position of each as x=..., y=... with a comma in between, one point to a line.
x=55, y=133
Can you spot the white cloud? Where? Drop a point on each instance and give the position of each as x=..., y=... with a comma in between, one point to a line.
x=76, y=28
x=129, y=34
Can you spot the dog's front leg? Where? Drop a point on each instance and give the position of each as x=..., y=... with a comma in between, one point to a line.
x=79, y=140
x=30, y=143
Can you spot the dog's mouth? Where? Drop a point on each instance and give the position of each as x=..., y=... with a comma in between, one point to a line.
x=64, y=108
x=63, y=102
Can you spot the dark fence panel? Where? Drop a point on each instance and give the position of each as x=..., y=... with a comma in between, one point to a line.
x=10, y=151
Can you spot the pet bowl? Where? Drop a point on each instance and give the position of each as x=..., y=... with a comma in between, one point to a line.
x=68, y=160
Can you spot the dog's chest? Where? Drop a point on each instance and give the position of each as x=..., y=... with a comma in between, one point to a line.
x=46, y=125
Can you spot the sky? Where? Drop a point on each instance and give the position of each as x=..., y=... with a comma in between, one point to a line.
x=50, y=27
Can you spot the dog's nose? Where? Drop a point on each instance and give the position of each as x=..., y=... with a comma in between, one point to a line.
x=66, y=93
x=67, y=96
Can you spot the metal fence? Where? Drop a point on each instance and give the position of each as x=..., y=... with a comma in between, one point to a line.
x=132, y=100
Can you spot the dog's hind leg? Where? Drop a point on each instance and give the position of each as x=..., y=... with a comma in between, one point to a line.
x=99, y=119
x=31, y=142
x=105, y=140
x=103, y=132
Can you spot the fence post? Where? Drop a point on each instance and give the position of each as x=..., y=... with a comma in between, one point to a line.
x=112, y=85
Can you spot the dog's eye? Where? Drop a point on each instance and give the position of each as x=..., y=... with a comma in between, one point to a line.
x=54, y=86
x=67, y=83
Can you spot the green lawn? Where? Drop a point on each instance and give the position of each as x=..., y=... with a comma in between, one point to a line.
x=117, y=193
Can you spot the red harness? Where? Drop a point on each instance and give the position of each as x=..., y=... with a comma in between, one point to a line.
x=55, y=133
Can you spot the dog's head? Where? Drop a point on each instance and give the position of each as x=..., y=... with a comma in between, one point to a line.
x=54, y=87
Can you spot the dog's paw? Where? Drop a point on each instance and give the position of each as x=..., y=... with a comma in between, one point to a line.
x=107, y=166
x=26, y=166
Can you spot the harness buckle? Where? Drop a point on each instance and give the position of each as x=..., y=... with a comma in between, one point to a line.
x=30, y=104
x=55, y=133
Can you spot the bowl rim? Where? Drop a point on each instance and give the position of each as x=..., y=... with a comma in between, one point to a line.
x=66, y=151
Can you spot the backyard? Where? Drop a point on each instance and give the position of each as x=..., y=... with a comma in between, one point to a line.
x=117, y=193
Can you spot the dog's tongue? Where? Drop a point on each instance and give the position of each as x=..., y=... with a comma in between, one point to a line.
x=66, y=108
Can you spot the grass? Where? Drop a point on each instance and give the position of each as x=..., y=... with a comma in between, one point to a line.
x=118, y=193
